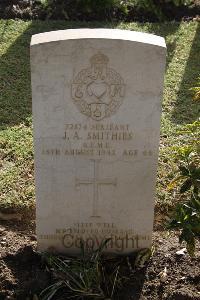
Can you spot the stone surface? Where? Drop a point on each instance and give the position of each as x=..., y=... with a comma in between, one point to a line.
x=96, y=108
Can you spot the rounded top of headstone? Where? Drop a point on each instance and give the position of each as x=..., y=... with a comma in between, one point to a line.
x=100, y=33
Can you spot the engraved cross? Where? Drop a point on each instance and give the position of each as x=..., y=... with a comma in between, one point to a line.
x=96, y=182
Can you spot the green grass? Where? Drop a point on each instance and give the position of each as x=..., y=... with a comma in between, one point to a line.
x=16, y=161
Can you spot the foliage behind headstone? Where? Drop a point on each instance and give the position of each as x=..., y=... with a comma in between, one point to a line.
x=109, y=9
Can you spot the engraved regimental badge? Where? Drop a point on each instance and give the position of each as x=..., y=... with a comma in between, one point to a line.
x=98, y=90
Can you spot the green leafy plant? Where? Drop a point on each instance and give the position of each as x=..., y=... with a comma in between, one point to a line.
x=76, y=8
x=150, y=6
x=186, y=216
x=89, y=276
x=92, y=275
x=180, y=2
x=187, y=219
x=107, y=9
x=158, y=7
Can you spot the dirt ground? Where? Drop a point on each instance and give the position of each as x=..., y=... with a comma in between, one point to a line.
x=22, y=272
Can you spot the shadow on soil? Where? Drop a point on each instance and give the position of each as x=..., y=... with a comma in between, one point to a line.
x=30, y=274
x=134, y=288
x=165, y=31
x=26, y=225
x=186, y=110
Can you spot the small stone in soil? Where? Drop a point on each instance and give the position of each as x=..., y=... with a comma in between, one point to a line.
x=2, y=229
x=181, y=252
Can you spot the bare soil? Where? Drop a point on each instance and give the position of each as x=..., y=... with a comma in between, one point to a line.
x=23, y=273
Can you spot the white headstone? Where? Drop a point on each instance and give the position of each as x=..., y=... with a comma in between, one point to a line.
x=96, y=110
